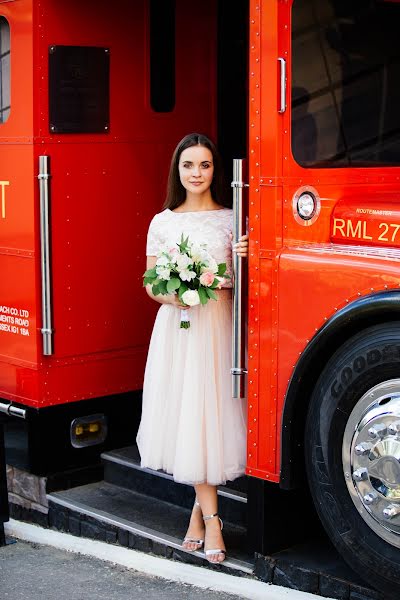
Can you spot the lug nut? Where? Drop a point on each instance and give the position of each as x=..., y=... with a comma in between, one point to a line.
x=370, y=498
x=378, y=431
x=363, y=448
x=360, y=475
x=394, y=427
x=391, y=511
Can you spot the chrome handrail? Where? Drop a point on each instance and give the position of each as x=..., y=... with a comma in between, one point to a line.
x=12, y=411
x=282, y=90
x=44, y=176
x=237, y=370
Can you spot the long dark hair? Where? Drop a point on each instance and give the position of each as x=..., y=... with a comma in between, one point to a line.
x=176, y=193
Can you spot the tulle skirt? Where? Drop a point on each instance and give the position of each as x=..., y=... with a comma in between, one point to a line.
x=191, y=426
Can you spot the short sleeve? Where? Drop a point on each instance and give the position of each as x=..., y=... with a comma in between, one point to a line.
x=153, y=240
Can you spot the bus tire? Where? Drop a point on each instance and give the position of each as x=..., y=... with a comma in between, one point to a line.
x=352, y=454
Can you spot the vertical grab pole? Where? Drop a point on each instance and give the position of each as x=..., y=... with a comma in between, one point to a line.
x=237, y=370
x=44, y=176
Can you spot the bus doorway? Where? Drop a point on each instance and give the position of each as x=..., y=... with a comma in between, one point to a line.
x=173, y=69
x=111, y=94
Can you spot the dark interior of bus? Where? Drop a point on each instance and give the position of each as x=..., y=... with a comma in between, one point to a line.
x=232, y=80
x=231, y=70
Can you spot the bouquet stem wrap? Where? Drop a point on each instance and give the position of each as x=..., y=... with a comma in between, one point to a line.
x=185, y=320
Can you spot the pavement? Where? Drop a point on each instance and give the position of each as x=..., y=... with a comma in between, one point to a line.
x=43, y=564
x=41, y=572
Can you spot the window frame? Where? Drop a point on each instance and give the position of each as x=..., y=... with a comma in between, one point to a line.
x=348, y=156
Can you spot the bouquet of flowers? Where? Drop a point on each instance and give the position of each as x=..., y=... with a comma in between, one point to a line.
x=189, y=271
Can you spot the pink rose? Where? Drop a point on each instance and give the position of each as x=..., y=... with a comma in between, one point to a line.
x=207, y=278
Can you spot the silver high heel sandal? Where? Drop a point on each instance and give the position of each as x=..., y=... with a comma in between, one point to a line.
x=214, y=551
x=199, y=543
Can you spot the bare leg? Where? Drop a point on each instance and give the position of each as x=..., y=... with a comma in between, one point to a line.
x=207, y=496
x=195, y=530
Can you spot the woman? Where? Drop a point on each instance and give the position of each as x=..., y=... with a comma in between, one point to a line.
x=191, y=427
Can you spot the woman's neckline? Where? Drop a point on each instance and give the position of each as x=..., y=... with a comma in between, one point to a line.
x=186, y=212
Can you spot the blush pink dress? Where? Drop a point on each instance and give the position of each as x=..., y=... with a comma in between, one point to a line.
x=191, y=427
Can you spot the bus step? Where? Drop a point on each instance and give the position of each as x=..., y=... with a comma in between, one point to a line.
x=122, y=468
x=106, y=512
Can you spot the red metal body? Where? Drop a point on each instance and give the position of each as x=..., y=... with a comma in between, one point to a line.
x=300, y=276
x=106, y=187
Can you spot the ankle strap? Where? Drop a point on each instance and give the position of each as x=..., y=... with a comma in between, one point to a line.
x=208, y=517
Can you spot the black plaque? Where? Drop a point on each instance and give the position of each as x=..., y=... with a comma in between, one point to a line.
x=79, y=90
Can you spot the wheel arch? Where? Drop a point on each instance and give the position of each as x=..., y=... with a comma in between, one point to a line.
x=364, y=312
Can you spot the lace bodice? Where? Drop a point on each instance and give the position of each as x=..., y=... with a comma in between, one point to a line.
x=211, y=227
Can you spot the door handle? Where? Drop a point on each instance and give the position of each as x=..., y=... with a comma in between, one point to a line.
x=44, y=195
x=238, y=371
x=282, y=90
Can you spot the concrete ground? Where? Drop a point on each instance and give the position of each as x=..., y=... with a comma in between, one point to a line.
x=44, y=564
x=39, y=572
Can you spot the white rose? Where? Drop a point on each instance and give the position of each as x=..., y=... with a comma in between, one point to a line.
x=187, y=275
x=210, y=266
x=183, y=262
x=163, y=273
x=197, y=253
x=191, y=297
x=162, y=261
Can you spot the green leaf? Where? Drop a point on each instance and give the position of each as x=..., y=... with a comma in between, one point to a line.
x=150, y=273
x=211, y=293
x=203, y=295
x=221, y=269
x=173, y=284
x=162, y=286
x=183, y=245
x=155, y=290
x=182, y=289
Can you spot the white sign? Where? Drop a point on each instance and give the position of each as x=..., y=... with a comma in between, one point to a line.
x=14, y=320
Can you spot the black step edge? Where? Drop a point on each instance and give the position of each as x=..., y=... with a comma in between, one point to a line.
x=81, y=520
x=128, y=473
x=295, y=574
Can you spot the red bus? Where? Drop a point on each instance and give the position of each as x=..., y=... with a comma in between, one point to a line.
x=94, y=98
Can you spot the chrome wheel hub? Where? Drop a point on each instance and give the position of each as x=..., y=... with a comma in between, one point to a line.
x=371, y=459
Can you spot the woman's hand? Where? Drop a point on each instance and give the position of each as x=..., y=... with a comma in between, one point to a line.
x=172, y=299
x=175, y=301
x=242, y=246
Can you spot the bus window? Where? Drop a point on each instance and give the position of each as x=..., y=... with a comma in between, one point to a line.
x=345, y=90
x=4, y=70
x=162, y=55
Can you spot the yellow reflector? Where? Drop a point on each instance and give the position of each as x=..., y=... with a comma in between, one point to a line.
x=88, y=430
